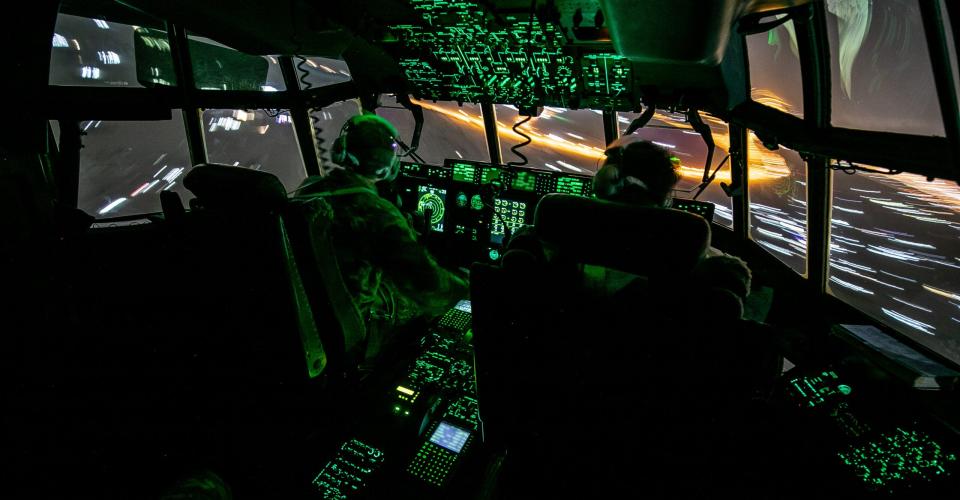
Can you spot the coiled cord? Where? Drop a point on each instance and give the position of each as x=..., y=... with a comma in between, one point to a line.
x=515, y=149
x=314, y=120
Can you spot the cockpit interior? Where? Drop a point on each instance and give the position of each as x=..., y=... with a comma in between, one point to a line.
x=177, y=321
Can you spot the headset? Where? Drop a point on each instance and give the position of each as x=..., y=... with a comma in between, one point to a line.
x=611, y=181
x=341, y=155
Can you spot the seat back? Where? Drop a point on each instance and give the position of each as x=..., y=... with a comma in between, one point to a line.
x=552, y=353
x=244, y=273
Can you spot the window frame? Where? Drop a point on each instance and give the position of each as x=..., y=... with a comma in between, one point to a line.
x=73, y=104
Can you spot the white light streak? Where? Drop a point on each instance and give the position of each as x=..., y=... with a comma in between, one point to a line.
x=919, y=325
x=113, y=204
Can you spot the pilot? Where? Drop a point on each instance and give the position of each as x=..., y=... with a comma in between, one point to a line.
x=637, y=172
x=640, y=172
x=392, y=277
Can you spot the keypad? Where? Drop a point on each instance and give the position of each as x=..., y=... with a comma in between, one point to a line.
x=456, y=319
x=512, y=213
x=432, y=464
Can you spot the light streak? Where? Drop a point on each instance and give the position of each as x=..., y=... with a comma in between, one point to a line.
x=113, y=204
x=148, y=188
x=567, y=165
x=139, y=189
x=898, y=276
x=911, y=243
x=911, y=305
x=919, y=325
x=851, y=286
x=850, y=210
x=942, y=293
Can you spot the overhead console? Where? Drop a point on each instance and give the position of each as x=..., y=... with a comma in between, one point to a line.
x=560, y=55
x=471, y=205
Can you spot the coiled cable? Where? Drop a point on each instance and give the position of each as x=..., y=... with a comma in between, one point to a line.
x=305, y=85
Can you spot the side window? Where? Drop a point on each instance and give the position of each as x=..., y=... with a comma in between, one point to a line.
x=315, y=72
x=564, y=140
x=125, y=165
x=777, y=183
x=881, y=69
x=671, y=131
x=449, y=130
x=256, y=139
x=219, y=67
x=951, y=47
x=895, y=254
x=104, y=53
x=775, y=77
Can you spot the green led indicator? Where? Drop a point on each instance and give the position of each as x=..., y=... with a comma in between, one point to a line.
x=897, y=456
x=494, y=254
x=844, y=389
x=460, y=51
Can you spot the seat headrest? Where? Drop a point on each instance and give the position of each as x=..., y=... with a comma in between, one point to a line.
x=235, y=188
x=640, y=240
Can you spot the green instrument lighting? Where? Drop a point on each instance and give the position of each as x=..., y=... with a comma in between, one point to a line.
x=572, y=185
x=606, y=74
x=816, y=390
x=898, y=456
x=489, y=175
x=435, y=204
x=510, y=212
x=525, y=181
x=349, y=470
x=460, y=52
x=462, y=200
x=494, y=254
x=476, y=202
x=463, y=172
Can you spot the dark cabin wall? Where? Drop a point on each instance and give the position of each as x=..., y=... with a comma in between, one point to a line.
x=27, y=222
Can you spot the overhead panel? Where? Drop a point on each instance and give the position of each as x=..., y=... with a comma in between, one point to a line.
x=463, y=51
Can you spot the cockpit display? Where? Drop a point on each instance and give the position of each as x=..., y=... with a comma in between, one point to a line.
x=464, y=172
x=524, y=181
x=450, y=437
x=573, y=185
x=511, y=213
x=424, y=170
x=433, y=200
x=489, y=174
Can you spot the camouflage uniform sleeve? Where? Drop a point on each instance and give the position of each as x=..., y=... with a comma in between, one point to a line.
x=410, y=267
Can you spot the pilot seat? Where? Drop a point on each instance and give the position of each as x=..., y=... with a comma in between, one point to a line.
x=602, y=362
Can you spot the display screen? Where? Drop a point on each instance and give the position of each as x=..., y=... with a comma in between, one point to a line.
x=450, y=437
x=571, y=185
x=525, y=181
x=465, y=306
x=413, y=169
x=434, y=200
x=510, y=212
x=489, y=174
x=463, y=172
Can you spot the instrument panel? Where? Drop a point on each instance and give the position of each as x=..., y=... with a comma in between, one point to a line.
x=469, y=51
x=472, y=205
